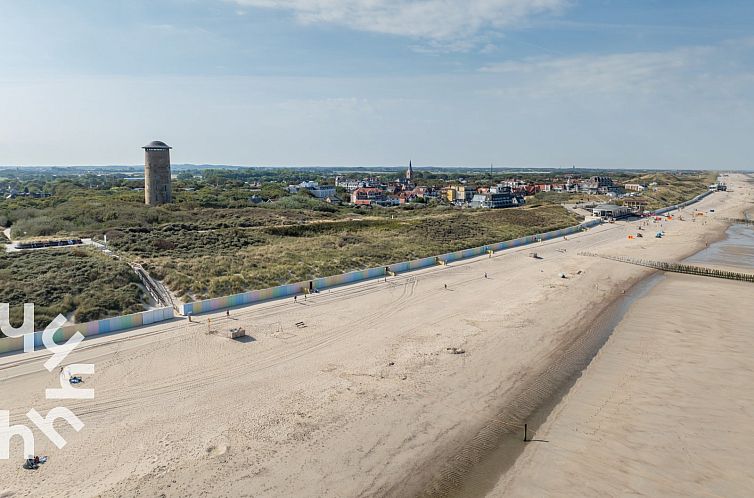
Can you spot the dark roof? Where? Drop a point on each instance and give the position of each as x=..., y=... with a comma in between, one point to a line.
x=156, y=144
x=607, y=207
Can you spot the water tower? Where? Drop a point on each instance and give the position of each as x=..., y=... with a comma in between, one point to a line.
x=157, y=174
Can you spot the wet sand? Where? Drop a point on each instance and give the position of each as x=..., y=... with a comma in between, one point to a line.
x=666, y=407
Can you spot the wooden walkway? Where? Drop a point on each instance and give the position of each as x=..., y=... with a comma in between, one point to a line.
x=678, y=267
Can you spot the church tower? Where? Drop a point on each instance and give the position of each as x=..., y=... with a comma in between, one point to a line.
x=410, y=172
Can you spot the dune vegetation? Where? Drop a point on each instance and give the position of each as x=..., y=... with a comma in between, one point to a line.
x=80, y=283
x=208, y=263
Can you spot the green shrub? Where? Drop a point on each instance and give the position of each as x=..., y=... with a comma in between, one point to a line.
x=71, y=281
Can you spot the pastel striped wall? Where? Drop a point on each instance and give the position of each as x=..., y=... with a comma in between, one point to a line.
x=415, y=264
x=463, y=254
x=250, y=297
x=11, y=344
x=348, y=278
x=89, y=329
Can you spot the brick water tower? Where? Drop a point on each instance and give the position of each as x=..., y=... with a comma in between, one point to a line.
x=157, y=188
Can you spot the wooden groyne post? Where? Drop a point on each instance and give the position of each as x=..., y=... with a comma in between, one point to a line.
x=738, y=221
x=701, y=271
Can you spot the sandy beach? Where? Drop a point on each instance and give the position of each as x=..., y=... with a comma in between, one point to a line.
x=665, y=408
x=364, y=398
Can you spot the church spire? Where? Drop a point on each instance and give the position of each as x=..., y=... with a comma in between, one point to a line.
x=410, y=171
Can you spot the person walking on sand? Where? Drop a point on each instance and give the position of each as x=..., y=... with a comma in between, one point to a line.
x=227, y=313
x=446, y=286
x=295, y=299
x=485, y=274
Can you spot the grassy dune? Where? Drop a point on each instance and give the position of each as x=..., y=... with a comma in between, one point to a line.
x=81, y=283
x=208, y=263
x=674, y=188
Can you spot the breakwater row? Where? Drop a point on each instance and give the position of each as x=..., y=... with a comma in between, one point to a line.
x=678, y=267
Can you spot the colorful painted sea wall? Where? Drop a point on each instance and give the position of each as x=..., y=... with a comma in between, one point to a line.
x=90, y=329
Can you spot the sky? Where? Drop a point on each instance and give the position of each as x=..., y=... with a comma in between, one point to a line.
x=527, y=83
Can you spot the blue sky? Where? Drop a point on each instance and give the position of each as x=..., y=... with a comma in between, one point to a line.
x=597, y=83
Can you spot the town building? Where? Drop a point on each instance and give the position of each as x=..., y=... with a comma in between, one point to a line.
x=12, y=193
x=598, y=185
x=366, y=196
x=352, y=184
x=635, y=205
x=635, y=187
x=406, y=197
x=572, y=185
x=501, y=188
x=613, y=211
x=496, y=200
x=460, y=194
x=406, y=182
x=314, y=188
x=425, y=192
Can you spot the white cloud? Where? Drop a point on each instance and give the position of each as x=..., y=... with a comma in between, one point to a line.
x=439, y=21
x=637, y=72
